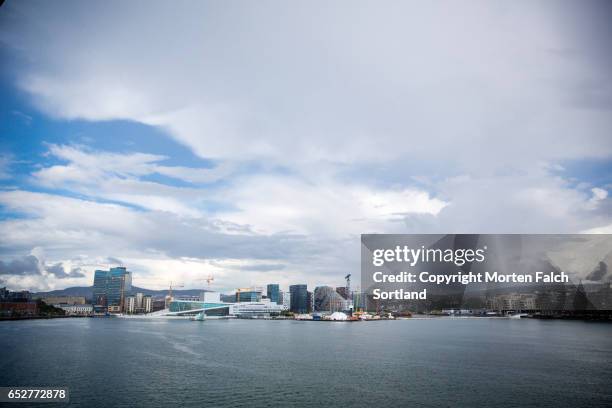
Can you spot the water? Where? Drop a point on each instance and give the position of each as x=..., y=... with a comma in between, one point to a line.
x=239, y=363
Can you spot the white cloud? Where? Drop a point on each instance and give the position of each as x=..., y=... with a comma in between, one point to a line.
x=118, y=177
x=454, y=82
x=599, y=195
x=326, y=207
x=149, y=241
x=398, y=118
x=307, y=204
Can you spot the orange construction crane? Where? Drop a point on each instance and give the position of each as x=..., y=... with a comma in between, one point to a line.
x=170, y=298
x=175, y=286
x=208, y=279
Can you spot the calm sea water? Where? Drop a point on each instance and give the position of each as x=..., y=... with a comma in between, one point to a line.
x=239, y=363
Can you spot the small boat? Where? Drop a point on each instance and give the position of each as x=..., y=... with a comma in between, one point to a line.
x=200, y=317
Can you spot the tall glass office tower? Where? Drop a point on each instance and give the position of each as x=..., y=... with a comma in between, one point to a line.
x=299, y=298
x=111, y=287
x=274, y=293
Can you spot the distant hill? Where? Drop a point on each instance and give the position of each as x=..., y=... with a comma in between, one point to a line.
x=87, y=291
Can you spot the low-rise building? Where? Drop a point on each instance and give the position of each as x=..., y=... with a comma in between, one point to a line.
x=262, y=309
x=18, y=309
x=17, y=304
x=512, y=301
x=76, y=309
x=139, y=304
x=248, y=294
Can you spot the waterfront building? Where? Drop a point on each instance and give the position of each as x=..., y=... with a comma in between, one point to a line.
x=512, y=301
x=191, y=307
x=130, y=304
x=111, y=287
x=17, y=304
x=11, y=309
x=358, y=301
x=248, y=294
x=309, y=302
x=158, y=304
x=458, y=312
x=343, y=291
x=299, y=298
x=147, y=304
x=67, y=300
x=139, y=297
x=326, y=299
x=194, y=298
x=212, y=306
x=273, y=293
x=139, y=304
x=76, y=309
x=99, y=288
x=263, y=309
x=20, y=296
x=286, y=300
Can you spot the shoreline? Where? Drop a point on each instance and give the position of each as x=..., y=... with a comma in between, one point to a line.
x=603, y=319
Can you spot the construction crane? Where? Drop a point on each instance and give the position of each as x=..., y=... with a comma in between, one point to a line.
x=175, y=286
x=169, y=298
x=208, y=279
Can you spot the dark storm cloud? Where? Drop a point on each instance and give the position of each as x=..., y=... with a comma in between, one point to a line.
x=31, y=265
x=60, y=273
x=27, y=265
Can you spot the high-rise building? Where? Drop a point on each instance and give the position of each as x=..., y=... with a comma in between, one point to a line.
x=139, y=300
x=343, y=291
x=147, y=304
x=299, y=298
x=286, y=300
x=309, y=302
x=358, y=301
x=99, y=288
x=130, y=304
x=326, y=299
x=273, y=293
x=111, y=287
x=248, y=295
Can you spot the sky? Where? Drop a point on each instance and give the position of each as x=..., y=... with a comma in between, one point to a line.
x=256, y=141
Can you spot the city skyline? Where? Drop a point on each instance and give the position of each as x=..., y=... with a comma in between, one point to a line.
x=196, y=138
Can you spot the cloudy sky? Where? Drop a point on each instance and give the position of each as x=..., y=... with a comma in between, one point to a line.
x=258, y=140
